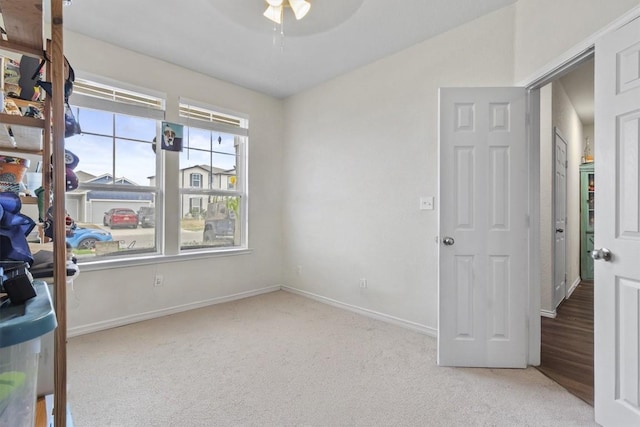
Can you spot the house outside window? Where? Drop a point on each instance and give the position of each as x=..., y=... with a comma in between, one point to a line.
x=214, y=145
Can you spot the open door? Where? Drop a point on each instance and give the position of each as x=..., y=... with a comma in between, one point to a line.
x=483, y=236
x=560, y=219
x=617, y=228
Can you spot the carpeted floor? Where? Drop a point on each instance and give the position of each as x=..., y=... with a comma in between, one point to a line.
x=284, y=360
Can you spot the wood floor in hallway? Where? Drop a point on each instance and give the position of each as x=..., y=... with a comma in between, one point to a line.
x=567, y=344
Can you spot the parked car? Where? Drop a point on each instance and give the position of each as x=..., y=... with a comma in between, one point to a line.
x=86, y=238
x=120, y=217
x=147, y=216
x=220, y=221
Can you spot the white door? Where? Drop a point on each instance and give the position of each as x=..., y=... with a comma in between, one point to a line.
x=483, y=248
x=617, y=228
x=560, y=219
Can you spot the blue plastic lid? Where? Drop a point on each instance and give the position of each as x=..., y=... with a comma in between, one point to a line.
x=24, y=322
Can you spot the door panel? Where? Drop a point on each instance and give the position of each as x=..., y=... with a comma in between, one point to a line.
x=484, y=206
x=560, y=220
x=617, y=227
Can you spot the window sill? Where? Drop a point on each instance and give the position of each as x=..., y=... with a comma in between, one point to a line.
x=156, y=258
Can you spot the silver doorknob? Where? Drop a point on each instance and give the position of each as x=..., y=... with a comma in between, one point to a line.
x=603, y=254
x=448, y=241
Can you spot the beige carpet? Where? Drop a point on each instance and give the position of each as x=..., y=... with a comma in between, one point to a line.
x=284, y=360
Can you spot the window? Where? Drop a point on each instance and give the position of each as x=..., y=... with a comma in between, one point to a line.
x=122, y=173
x=214, y=145
x=195, y=207
x=196, y=180
x=117, y=163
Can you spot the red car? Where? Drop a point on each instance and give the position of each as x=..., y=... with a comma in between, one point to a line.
x=120, y=217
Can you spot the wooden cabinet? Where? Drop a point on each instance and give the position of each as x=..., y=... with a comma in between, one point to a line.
x=587, y=217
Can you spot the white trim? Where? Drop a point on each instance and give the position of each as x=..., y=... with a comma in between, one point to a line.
x=533, y=140
x=423, y=329
x=548, y=313
x=155, y=258
x=126, y=320
x=573, y=286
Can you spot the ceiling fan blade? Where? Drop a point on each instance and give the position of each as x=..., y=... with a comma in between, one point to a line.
x=274, y=13
x=300, y=8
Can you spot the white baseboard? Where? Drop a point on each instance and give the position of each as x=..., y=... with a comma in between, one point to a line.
x=366, y=312
x=126, y=320
x=548, y=313
x=139, y=317
x=553, y=313
x=573, y=286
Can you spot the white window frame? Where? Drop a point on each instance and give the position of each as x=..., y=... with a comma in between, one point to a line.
x=224, y=121
x=82, y=97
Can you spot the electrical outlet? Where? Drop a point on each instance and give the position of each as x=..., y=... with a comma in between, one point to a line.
x=363, y=283
x=158, y=280
x=299, y=270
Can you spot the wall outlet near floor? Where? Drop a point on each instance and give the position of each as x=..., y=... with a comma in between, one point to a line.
x=158, y=281
x=299, y=270
x=363, y=283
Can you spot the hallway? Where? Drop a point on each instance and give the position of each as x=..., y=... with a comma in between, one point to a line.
x=567, y=344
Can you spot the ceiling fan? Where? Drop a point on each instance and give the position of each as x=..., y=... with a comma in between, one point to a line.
x=275, y=9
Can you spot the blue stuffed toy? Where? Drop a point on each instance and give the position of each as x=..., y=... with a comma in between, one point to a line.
x=14, y=229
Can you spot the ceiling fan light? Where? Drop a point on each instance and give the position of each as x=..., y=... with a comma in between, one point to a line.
x=274, y=13
x=300, y=8
x=275, y=3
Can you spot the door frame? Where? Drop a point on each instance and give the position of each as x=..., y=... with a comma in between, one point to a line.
x=560, y=66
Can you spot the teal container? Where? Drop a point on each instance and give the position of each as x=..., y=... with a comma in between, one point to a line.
x=21, y=327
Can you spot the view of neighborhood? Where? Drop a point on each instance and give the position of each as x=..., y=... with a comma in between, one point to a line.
x=118, y=151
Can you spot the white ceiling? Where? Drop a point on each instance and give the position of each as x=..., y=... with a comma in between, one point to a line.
x=232, y=41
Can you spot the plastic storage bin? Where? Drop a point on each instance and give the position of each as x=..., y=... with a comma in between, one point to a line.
x=21, y=327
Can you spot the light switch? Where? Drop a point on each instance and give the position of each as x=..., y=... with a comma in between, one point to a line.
x=426, y=203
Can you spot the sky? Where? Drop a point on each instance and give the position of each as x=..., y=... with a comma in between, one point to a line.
x=133, y=148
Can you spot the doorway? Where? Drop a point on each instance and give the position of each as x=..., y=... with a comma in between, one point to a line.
x=567, y=113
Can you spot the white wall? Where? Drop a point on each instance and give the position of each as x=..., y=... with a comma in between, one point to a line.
x=362, y=148
x=105, y=297
x=357, y=153
x=360, y=151
x=545, y=29
x=588, y=131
